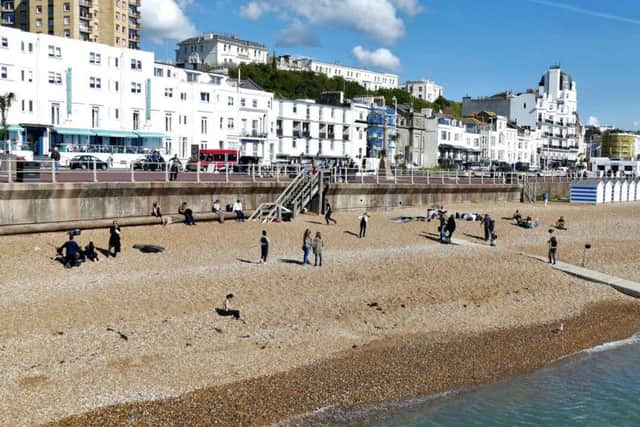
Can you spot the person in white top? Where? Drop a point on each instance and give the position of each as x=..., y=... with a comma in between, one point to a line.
x=217, y=209
x=237, y=208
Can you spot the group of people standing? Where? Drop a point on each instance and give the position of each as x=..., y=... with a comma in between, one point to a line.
x=308, y=245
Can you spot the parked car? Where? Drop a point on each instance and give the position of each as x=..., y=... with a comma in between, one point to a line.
x=87, y=162
x=149, y=163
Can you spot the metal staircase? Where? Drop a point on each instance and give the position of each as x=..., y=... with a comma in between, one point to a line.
x=293, y=199
x=528, y=191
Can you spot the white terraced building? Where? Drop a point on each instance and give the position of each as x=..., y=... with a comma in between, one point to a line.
x=116, y=102
x=218, y=51
x=307, y=129
x=370, y=80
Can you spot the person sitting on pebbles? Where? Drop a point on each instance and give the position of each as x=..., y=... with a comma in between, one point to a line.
x=226, y=309
x=560, y=224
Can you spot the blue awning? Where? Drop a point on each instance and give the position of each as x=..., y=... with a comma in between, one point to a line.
x=15, y=128
x=151, y=135
x=116, y=133
x=73, y=131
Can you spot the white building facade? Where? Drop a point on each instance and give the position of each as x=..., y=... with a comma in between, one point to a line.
x=218, y=51
x=423, y=89
x=370, y=80
x=552, y=110
x=305, y=129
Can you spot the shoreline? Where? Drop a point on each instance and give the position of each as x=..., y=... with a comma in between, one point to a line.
x=388, y=370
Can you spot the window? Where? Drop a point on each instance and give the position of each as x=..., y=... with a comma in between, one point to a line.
x=66, y=20
x=4, y=42
x=136, y=64
x=55, y=78
x=230, y=101
x=167, y=122
x=168, y=92
x=136, y=87
x=38, y=10
x=295, y=109
x=95, y=82
x=38, y=23
x=117, y=113
x=158, y=72
x=221, y=122
x=95, y=117
x=30, y=106
x=183, y=96
x=54, y=51
x=116, y=62
x=94, y=58
x=66, y=7
x=116, y=86
x=204, y=96
x=203, y=125
x=55, y=114
x=230, y=123
x=3, y=73
x=243, y=102
x=254, y=103
x=136, y=120
x=67, y=34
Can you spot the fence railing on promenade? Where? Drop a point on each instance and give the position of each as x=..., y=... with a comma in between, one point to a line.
x=46, y=171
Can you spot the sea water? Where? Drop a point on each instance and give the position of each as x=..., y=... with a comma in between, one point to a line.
x=596, y=387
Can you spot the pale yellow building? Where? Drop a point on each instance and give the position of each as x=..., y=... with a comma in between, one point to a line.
x=112, y=22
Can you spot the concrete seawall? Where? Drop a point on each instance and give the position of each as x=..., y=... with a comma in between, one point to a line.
x=387, y=196
x=23, y=204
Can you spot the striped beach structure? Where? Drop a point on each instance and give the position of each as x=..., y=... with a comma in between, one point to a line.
x=624, y=191
x=632, y=190
x=615, y=194
x=608, y=191
x=588, y=191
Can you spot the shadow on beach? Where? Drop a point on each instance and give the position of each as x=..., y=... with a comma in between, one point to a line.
x=352, y=233
x=290, y=261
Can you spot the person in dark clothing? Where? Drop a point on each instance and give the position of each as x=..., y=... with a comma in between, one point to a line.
x=175, y=167
x=71, y=257
x=364, y=221
x=155, y=210
x=451, y=227
x=226, y=309
x=188, y=214
x=90, y=252
x=264, y=247
x=442, y=228
x=553, y=248
x=486, y=224
x=327, y=215
x=114, y=240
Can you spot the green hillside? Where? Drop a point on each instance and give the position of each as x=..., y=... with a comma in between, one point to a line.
x=309, y=85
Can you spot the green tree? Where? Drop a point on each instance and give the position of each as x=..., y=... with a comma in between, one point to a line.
x=5, y=104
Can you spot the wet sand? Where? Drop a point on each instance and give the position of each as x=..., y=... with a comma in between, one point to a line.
x=311, y=337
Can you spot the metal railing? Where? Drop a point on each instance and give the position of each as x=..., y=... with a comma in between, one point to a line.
x=46, y=171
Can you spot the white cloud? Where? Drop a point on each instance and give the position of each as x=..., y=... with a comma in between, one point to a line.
x=379, y=19
x=381, y=58
x=164, y=20
x=410, y=7
x=593, y=121
x=296, y=34
x=255, y=9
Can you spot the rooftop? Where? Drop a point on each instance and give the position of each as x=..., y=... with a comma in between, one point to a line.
x=231, y=38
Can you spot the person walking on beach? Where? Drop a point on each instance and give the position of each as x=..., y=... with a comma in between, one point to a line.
x=451, y=227
x=306, y=247
x=364, y=221
x=327, y=214
x=553, y=248
x=545, y=198
x=318, y=244
x=492, y=232
x=442, y=228
x=486, y=222
x=114, y=239
x=264, y=247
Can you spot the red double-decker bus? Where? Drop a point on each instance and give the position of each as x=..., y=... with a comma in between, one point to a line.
x=218, y=158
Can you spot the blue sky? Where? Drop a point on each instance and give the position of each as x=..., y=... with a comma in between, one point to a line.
x=471, y=47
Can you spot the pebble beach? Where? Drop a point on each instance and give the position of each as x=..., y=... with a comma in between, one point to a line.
x=136, y=340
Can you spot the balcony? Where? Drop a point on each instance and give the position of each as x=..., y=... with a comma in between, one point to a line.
x=323, y=135
x=306, y=134
x=85, y=3
x=278, y=132
x=332, y=135
x=345, y=136
x=297, y=134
